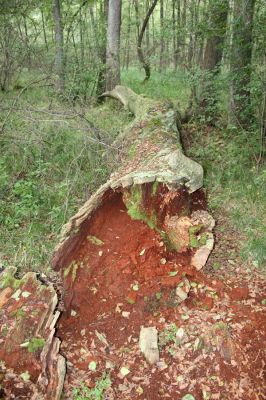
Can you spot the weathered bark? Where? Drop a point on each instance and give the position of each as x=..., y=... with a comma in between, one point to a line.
x=217, y=13
x=28, y=342
x=144, y=61
x=59, y=49
x=150, y=155
x=162, y=43
x=100, y=45
x=113, y=44
x=240, y=63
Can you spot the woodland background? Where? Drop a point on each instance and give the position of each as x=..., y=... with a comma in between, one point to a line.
x=208, y=57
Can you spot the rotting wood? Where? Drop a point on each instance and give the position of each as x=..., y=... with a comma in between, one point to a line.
x=156, y=182
x=148, y=151
x=29, y=351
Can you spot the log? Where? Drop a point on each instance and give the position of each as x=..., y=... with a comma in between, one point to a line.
x=155, y=183
x=148, y=160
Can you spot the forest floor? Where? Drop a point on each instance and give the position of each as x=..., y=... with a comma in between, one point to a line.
x=212, y=345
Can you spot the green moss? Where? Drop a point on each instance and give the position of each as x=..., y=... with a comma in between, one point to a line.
x=4, y=330
x=67, y=270
x=155, y=122
x=155, y=186
x=35, y=344
x=194, y=241
x=132, y=151
x=20, y=313
x=9, y=281
x=220, y=326
x=95, y=240
x=74, y=272
x=72, y=267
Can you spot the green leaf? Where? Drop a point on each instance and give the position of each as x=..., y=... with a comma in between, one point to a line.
x=172, y=273
x=92, y=366
x=188, y=397
x=25, y=376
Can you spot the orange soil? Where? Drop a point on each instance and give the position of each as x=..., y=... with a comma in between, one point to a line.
x=220, y=354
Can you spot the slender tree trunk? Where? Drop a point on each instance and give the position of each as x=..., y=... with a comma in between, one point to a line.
x=44, y=31
x=240, y=65
x=127, y=50
x=175, y=20
x=59, y=49
x=113, y=44
x=27, y=40
x=162, y=42
x=81, y=40
x=144, y=61
x=184, y=31
x=100, y=45
x=147, y=28
x=217, y=21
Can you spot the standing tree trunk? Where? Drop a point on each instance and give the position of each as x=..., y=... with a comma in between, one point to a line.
x=144, y=61
x=162, y=43
x=127, y=50
x=113, y=44
x=100, y=44
x=218, y=11
x=240, y=65
x=59, y=49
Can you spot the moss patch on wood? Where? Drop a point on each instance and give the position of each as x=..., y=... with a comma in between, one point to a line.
x=35, y=344
x=197, y=239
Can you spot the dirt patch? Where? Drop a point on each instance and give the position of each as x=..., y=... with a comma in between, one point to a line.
x=123, y=277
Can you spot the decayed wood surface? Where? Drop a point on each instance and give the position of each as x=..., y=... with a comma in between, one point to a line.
x=29, y=350
x=148, y=150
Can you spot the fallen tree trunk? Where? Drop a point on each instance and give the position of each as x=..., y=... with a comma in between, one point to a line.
x=153, y=196
x=149, y=164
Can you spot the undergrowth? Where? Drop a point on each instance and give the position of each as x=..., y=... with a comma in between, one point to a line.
x=97, y=393
x=52, y=158
x=236, y=183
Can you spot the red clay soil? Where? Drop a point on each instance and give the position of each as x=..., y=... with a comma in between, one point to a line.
x=211, y=345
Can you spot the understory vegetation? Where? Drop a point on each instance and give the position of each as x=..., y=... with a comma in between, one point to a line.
x=53, y=157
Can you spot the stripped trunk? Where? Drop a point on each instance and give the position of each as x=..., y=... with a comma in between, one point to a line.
x=113, y=44
x=59, y=50
x=218, y=12
x=241, y=54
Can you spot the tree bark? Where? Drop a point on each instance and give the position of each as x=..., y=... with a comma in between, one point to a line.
x=113, y=44
x=218, y=12
x=240, y=65
x=162, y=42
x=144, y=61
x=155, y=124
x=59, y=49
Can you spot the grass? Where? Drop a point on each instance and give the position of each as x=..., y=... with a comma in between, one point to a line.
x=51, y=161
x=53, y=155
x=161, y=86
x=97, y=393
x=236, y=185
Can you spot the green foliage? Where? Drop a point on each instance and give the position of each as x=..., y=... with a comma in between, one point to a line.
x=97, y=393
x=50, y=162
x=168, y=335
x=35, y=344
x=235, y=184
x=162, y=86
x=8, y=280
